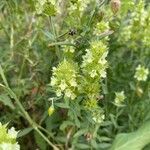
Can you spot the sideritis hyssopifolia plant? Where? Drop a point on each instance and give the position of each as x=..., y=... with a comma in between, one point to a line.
x=77, y=81
x=72, y=81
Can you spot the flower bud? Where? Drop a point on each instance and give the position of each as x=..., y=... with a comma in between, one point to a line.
x=51, y=110
x=115, y=6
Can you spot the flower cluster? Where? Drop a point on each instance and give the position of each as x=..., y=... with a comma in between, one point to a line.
x=98, y=116
x=137, y=28
x=8, y=138
x=94, y=61
x=101, y=27
x=64, y=79
x=96, y=111
x=94, y=68
x=141, y=73
x=79, y=5
x=89, y=87
x=69, y=49
x=67, y=81
x=48, y=7
x=119, y=99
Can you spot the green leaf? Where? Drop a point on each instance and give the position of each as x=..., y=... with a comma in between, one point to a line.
x=5, y=99
x=82, y=146
x=133, y=141
x=94, y=144
x=103, y=146
x=40, y=141
x=62, y=105
x=66, y=124
x=24, y=132
x=80, y=132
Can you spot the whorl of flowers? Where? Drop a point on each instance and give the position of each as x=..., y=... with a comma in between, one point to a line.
x=119, y=99
x=89, y=87
x=94, y=61
x=96, y=111
x=141, y=73
x=69, y=49
x=98, y=116
x=48, y=6
x=8, y=138
x=94, y=68
x=64, y=79
x=101, y=27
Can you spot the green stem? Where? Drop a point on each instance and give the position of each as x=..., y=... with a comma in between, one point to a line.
x=61, y=43
x=45, y=138
x=62, y=35
x=47, y=132
x=94, y=12
x=95, y=131
x=55, y=37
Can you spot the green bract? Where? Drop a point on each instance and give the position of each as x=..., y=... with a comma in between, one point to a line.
x=94, y=62
x=64, y=79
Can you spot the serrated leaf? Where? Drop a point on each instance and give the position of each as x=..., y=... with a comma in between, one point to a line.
x=133, y=141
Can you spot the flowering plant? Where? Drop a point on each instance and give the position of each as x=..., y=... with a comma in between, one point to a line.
x=74, y=73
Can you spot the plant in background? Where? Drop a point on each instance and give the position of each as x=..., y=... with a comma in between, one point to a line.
x=119, y=99
x=135, y=29
x=141, y=73
x=8, y=138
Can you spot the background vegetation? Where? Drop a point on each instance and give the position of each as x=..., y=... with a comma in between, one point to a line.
x=37, y=36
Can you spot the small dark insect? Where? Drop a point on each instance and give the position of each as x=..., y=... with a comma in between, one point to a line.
x=72, y=32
